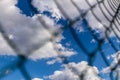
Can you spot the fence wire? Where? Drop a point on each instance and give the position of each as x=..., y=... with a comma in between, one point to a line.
x=104, y=12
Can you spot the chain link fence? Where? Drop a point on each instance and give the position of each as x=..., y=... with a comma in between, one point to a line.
x=95, y=13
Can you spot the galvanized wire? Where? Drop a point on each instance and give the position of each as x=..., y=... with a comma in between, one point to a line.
x=110, y=12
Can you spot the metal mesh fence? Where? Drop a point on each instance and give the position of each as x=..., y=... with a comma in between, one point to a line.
x=104, y=12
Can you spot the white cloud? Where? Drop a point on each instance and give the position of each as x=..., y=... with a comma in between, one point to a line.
x=100, y=21
x=51, y=62
x=71, y=13
x=48, y=50
x=114, y=63
x=73, y=71
x=4, y=48
x=28, y=33
x=47, y=5
x=93, y=41
x=50, y=5
x=114, y=66
x=37, y=79
x=63, y=75
x=68, y=9
x=55, y=60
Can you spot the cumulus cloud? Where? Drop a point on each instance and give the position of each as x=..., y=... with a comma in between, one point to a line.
x=63, y=75
x=96, y=21
x=47, y=5
x=4, y=48
x=25, y=30
x=75, y=71
x=28, y=33
x=48, y=50
x=37, y=79
x=114, y=64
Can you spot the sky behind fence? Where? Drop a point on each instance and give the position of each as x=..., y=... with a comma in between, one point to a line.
x=79, y=21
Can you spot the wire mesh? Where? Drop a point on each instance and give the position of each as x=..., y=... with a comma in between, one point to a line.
x=104, y=12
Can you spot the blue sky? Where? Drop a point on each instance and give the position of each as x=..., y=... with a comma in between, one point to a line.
x=39, y=68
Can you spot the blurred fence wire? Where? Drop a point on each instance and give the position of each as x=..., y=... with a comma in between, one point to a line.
x=100, y=13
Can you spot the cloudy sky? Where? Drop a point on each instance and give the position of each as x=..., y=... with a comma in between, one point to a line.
x=37, y=30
